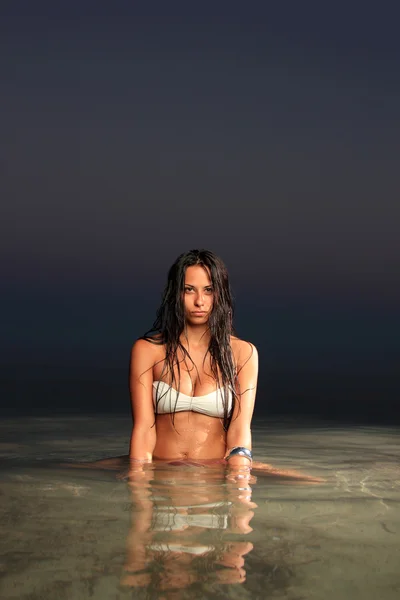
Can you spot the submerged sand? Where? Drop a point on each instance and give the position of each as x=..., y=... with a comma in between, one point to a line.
x=70, y=534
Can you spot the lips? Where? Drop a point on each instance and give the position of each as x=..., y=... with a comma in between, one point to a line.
x=199, y=313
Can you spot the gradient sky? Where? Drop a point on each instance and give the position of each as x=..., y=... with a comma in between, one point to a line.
x=133, y=131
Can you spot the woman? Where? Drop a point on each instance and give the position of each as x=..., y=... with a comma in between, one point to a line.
x=193, y=382
x=193, y=386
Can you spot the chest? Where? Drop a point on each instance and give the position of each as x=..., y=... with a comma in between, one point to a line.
x=194, y=372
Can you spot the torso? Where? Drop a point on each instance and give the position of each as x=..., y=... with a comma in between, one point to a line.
x=189, y=434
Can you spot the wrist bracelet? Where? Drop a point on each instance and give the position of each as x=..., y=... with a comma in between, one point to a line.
x=239, y=451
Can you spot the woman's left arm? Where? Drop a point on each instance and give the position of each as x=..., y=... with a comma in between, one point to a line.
x=239, y=432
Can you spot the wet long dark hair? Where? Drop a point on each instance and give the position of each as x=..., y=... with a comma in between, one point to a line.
x=170, y=324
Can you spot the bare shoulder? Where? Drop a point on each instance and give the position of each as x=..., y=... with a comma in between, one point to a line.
x=244, y=352
x=145, y=353
x=144, y=346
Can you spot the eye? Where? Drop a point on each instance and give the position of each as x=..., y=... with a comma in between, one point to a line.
x=208, y=290
x=188, y=289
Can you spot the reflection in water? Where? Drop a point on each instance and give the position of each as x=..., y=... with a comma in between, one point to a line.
x=187, y=526
x=64, y=530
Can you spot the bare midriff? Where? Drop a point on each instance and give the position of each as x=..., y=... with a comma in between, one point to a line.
x=190, y=436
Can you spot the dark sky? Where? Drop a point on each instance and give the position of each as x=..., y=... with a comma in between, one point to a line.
x=266, y=132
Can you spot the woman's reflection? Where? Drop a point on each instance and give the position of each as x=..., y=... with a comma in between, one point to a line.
x=187, y=526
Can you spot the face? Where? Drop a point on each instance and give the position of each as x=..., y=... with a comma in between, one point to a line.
x=198, y=295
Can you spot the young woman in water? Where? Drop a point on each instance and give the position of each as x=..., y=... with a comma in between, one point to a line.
x=193, y=388
x=193, y=382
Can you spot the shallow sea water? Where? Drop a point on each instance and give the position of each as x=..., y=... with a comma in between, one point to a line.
x=188, y=532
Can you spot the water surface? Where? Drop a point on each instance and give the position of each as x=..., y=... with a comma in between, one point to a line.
x=187, y=531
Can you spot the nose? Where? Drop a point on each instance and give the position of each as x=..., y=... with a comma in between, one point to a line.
x=199, y=299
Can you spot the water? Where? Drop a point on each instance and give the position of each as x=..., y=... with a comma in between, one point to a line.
x=188, y=532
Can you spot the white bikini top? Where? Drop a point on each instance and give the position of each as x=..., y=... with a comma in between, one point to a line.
x=167, y=400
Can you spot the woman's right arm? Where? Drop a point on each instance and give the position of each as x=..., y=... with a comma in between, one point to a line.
x=143, y=438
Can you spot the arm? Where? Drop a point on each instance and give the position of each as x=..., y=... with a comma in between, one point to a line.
x=239, y=432
x=143, y=438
